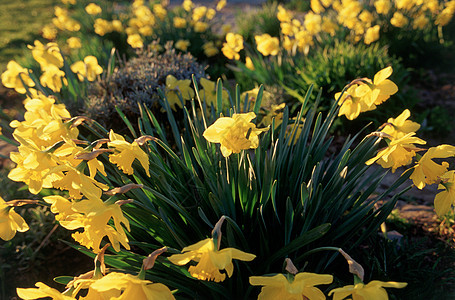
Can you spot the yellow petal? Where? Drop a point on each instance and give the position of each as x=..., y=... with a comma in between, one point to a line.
x=382, y=75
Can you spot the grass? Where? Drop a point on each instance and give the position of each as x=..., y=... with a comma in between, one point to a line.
x=21, y=23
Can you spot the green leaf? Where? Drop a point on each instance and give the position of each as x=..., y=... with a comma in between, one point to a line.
x=299, y=242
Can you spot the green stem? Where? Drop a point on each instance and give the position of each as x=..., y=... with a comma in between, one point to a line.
x=322, y=249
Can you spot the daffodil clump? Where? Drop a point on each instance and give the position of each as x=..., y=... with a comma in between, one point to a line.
x=189, y=26
x=55, y=77
x=146, y=190
x=362, y=21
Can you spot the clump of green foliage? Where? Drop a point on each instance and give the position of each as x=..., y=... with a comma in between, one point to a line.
x=137, y=81
x=330, y=70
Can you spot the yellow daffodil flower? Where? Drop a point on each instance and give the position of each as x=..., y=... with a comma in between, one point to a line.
x=47, y=55
x=200, y=26
x=10, y=221
x=179, y=22
x=372, y=34
x=444, y=200
x=283, y=15
x=210, y=49
x=233, y=45
x=267, y=97
x=60, y=207
x=421, y=22
x=379, y=90
x=182, y=45
x=11, y=78
x=231, y=133
x=102, y=26
x=125, y=153
x=398, y=153
x=49, y=32
x=93, y=215
x=316, y=6
x=373, y=290
x=220, y=5
x=210, y=260
x=302, y=286
x=135, y=41
x=159, y=11
x=398, y=20
x=312, y=23
x=208, y=93
x=351, y=104
x=400, y=126
x=275, y=112
x=249, y=63
x=174, y=88
x=74, y=42
x=32, y=168
x=187, y=5
x=76, y=182
x=53, y=78
x=93, y=9
x=88, y=68
x=267, y=45
x=426, y=171
x=198, y=13
x=132, y=287
x=42, y=291
x=382, y=6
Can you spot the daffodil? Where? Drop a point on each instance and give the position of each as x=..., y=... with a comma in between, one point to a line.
x=74, y=42
x=125, y=153
x=10, y=221
x=174, y=88
x=15, y=76
x=426, y=171
x=60, y=207
x=220, y=5
x=267, y=45
x=400, y=126
x=182, y=45
x=93, y=216
x=159, y=11
x=351, y=104
x=88, y=68
x=42, y=291
x=379, y=90
x=249, y=63
x=46, y=55
x=372, y=34
x=210, y=49
x=135, y=41
x=231, y=133
x=93, y=9
x=53, y=78
x=398, y=20
x=301, y=286
x=200, y=26
x=444, y=200
x=49, y=32
x=102, y=27
x=179, y=22
x=210, y=260
x=283, y=15
x=208, y=93
x=187, y=5
x=233, y=45
x=373, y=290
x=132, y=287
x=398, y=153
